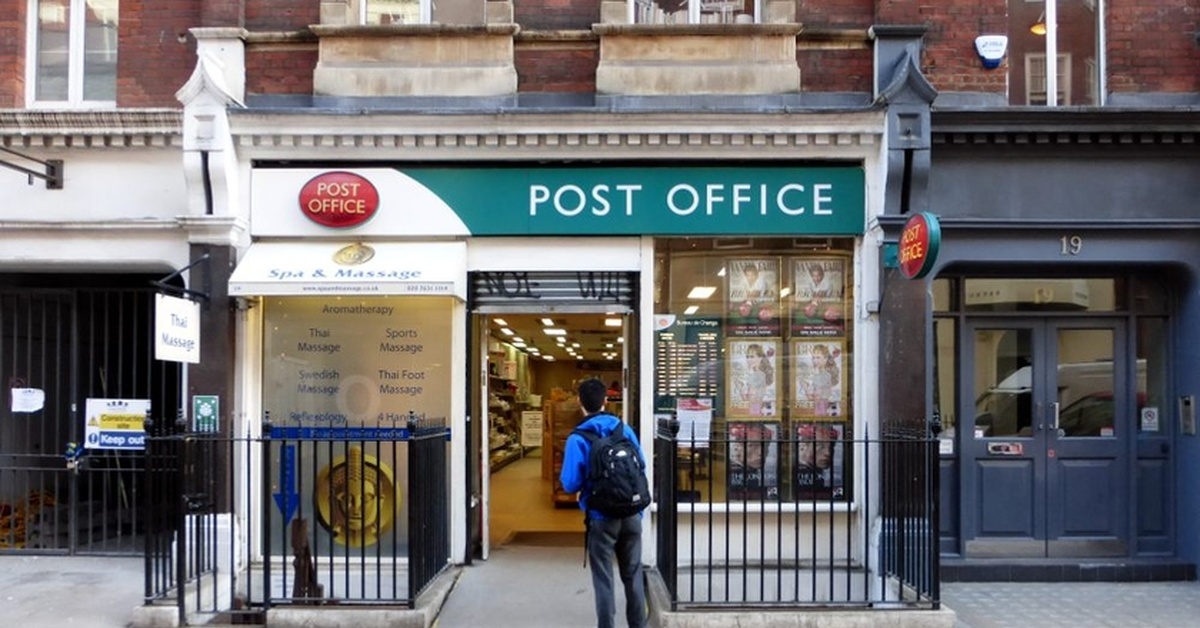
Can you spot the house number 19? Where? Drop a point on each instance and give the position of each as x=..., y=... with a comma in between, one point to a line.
x=1071, y=245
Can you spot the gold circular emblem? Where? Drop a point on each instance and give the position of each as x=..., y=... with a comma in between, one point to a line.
x=354, y=254
x=356, y=498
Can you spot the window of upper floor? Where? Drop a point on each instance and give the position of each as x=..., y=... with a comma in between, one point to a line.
x=696, y=11
x=374, y=12
x=1076, y=43
x=72, y=53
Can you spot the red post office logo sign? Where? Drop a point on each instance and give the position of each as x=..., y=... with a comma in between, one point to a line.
x=919, y=244
x=339, y=199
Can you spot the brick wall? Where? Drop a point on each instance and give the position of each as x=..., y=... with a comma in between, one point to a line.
x=282, y=69
x=1152, y=46
x=571, y=71
x=836, y=70
x=155, y=55
x=281, y=15
x=12, y=57
x=556, y=14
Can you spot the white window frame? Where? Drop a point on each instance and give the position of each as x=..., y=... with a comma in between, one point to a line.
x=359, y=9
x=1035, y=68
x=76, y=31
x=1097, y=82
x=694, y=11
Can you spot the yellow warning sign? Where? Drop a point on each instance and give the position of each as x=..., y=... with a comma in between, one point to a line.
x=122, y=421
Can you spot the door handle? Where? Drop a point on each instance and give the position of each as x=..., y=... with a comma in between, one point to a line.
x=1054, y=423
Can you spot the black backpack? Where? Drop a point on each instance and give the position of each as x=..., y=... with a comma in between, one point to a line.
x=616, y=474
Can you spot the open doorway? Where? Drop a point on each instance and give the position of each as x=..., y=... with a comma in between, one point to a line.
x=530, y=365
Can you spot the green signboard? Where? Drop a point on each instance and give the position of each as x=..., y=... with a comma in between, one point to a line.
x=653, y=200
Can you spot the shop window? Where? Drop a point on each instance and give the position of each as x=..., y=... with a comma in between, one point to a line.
x=945, y=372
x=73, y=53
x=1153, y=405
x=1031, y=295
x=754, y=358
x=696, y=11
x=352, y=370
x=1066, y=30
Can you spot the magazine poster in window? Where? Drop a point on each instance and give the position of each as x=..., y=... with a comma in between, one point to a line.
x=752, y=387
x=818, y=378
x=818, y=296
x=753, y=297
x=819, y=467
x=753, y=460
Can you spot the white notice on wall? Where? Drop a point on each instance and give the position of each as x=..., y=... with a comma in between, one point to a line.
x=1150, y=419
x=531, y=428
x=28, y=399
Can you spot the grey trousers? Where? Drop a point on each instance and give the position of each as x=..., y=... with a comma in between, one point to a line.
x=619, y=539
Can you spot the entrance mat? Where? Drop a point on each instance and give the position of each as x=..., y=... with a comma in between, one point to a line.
x=546, y=539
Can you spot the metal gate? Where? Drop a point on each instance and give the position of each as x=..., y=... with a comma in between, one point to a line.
x=61, y=344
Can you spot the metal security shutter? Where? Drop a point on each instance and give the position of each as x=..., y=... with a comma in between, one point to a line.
x=585, y=291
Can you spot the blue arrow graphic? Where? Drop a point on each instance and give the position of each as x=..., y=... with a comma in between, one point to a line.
x=287, y=499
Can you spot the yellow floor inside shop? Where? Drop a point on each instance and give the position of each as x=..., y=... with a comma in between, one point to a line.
x=521, y=502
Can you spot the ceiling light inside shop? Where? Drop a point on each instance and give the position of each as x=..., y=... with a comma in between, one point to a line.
x=548, y=322
x=517, y=339
x=507, y=331
x=554, y=331
x=692, y=309
x=576, y=345
x=519, y=345
x=501, y=322
x=784, y=292
x=699, y=293
x=548, y=358
x=612, y=322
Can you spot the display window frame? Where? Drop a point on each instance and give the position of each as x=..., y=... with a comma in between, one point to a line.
x=786, y=335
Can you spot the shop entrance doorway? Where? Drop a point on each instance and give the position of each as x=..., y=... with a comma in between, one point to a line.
x=535, y=335
x=529, y=371
x=1046, y=470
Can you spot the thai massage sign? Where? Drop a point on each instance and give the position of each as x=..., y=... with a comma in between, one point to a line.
x=919, y=244
x=794, y=200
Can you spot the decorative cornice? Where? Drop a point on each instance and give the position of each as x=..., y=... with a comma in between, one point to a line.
x=116, y=128
x=692, y=135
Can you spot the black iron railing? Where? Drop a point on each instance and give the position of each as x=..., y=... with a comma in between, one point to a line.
x=319, y=516
x=745, y=523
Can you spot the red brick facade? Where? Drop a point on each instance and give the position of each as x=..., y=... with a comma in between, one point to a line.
x=12, y=58
x=1150, y=47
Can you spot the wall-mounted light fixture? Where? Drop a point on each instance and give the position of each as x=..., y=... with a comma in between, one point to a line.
x=1039, y=27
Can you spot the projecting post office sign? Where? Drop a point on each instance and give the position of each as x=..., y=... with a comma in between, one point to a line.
x=919, y=244
x=339, y=199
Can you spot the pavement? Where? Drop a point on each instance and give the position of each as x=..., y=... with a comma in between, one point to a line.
x=532, y=586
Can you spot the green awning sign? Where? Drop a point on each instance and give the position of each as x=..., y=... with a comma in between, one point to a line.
x=652, y=200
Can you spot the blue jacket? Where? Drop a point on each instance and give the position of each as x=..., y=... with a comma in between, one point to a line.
x=573, y=475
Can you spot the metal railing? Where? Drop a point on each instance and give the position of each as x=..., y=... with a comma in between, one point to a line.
x=312, y=516
x=863, y=535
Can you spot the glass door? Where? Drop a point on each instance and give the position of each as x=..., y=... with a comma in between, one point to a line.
x=1045, y=465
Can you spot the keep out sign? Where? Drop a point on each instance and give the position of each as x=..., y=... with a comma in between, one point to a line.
x=339, y=199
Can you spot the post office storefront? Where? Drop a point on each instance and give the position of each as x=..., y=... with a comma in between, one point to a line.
x=370, y=291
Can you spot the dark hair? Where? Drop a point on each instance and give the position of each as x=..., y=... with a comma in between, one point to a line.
x=592, y=393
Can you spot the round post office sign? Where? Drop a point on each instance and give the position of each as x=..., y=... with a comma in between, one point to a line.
x=339, y=199
x=919, y=244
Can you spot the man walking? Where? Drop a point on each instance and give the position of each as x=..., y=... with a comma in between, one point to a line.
x=608, y=535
